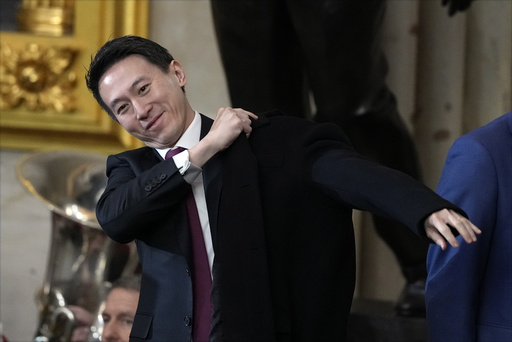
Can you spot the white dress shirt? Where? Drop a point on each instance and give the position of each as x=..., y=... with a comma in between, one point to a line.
x=193, y=175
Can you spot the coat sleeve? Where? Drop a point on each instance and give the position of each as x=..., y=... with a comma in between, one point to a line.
x=454, y=276
x=135, y=198
x=363, y=184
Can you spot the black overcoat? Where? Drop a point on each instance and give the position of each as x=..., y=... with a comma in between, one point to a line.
x=280, y=207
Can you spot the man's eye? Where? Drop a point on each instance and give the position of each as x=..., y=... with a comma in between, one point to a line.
x=121, y=108
x=106, y=319
x=143, y=89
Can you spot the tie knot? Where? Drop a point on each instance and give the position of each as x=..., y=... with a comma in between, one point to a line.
x=173, y=152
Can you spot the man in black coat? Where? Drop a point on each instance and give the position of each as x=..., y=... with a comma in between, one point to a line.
x=283, y=53
x=274, y=197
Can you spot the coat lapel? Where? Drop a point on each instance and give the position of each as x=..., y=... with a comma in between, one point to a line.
x=240, y=292
x=212, y=172
x=212, y=182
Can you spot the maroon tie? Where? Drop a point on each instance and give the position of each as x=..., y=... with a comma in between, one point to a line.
x=201, y=278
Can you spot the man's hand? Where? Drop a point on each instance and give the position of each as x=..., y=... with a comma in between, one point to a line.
x=228, y=125
x=438, y=224
x=83, y=322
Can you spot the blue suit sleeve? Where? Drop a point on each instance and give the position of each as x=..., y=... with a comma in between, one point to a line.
x=469, y=181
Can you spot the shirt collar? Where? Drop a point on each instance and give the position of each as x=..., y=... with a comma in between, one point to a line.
x=189, y=139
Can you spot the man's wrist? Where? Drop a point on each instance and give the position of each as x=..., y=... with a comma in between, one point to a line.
x=202, y=152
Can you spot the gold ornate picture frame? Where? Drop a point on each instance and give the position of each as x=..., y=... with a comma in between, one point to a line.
x=44, y=102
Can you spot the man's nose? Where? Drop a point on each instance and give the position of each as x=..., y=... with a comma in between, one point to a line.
x=109, y=333
x=142, y=109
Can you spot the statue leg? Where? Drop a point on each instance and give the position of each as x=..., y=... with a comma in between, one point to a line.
x=260, y=54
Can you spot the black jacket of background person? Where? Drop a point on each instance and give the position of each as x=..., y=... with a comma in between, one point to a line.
x=280, y=208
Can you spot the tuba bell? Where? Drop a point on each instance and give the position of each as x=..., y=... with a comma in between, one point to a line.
x=83, y=261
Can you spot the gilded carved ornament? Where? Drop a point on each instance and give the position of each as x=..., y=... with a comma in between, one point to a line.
x=46, y=17
x=37, y=77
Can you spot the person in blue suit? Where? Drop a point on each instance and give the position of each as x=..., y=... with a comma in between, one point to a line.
x=469, y=289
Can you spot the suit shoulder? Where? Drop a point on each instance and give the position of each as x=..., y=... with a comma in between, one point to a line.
x=279, y=120
x=137, y=159
x=281, y=131
x=494, y=136
x=136, y=153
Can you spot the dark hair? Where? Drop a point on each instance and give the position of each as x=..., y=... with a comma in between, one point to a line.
x=118, y=49
x=129, y=282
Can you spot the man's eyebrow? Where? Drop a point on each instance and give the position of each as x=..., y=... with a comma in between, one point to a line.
x=137, y=80
x=112, y=104
x=126, y=314
x=134, y=84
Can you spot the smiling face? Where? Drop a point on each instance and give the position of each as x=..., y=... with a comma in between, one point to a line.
x=148, y=103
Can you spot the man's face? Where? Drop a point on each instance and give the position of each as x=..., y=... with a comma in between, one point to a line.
x=148, y=103
x=120, y=308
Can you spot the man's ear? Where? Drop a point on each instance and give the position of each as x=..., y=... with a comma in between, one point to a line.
x=176, y=68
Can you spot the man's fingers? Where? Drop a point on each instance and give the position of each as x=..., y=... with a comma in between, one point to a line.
x=252, y=115
x=439, y=225
x=245, y=118
x=236, y=119
x=245, y=115
x=446, y=232
x=437, y=238
x=247, y=130
x=455, y=221
x=465, y=227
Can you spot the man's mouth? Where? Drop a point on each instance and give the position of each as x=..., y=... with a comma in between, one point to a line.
x=153, y=122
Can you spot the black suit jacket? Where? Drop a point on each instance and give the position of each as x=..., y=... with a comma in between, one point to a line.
x=280, y=207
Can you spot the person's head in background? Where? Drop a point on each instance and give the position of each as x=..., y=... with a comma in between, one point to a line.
x=120, y=308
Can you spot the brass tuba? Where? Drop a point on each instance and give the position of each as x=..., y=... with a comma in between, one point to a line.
x=82, y=261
